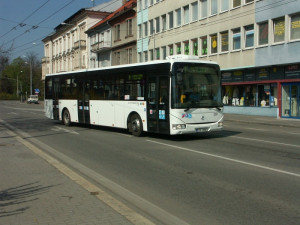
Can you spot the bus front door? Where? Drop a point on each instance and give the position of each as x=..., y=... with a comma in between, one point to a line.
x=84, y=103
x=158, y=104
x=56, y=92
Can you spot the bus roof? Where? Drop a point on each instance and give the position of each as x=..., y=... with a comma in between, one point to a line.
x=169, y=59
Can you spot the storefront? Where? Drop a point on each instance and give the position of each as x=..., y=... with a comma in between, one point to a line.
x=269, y=91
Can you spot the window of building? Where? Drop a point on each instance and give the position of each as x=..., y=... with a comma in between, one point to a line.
x=145, y=29
x=195, y=47
x=236, y=3
x=178, y=17
x=279, y=29
x=249, y=36
x=164, y=52
x=224, y=5
x=145, y=57
x=249, y=1
x=151, y=2
x=157, y=51
x=195, y=11
x=236, y=39
x=171, y=20
x=178, y=48
x=171, y=50
x=204, y=45
x=140, y=31
x=164, y=22
x=295, y=27
x=129, y=55
x=186, y=48
x=224, y=41
x=129, y=27
x=214, y=44
x=186, y=14
x=117, y=33
x=151, y=55
x=214, y=7
x=145, y=4
x=157, y=25
x=203, y=8
x=263, y=33
x=151, y=27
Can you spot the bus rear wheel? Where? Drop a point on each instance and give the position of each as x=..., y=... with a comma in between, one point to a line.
x=136, y=125
x=66, y=117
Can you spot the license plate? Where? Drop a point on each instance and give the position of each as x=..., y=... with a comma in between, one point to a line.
x=199, y=130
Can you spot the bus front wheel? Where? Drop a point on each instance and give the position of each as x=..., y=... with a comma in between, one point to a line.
x=136, y=125
x=66, y=117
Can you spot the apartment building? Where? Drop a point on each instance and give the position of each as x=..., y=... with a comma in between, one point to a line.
x=113, y=39
x=255, y=43
x=66, y=49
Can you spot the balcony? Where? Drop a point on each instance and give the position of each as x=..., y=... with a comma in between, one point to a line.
x=79, y=44
x=100, y=46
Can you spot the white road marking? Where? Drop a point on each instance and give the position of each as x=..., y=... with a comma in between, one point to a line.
x=228, y=159
x=270, y=142
x=57, y=128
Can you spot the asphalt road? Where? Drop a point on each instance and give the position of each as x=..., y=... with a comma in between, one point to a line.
x=247, y=174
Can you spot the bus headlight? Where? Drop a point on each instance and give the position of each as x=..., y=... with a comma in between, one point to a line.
x=178, y=126
x=220, y=124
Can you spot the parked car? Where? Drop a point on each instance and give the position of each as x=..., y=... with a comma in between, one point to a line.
x=33, y=99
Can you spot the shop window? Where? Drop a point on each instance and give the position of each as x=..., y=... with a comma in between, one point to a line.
x=195, y=47
x=263, y=33
x=224, y=41
x=263, y=95
x=295, y=27
x=178, y=48
x=250, y=95
x=214, y=44
x=164, y=52
x=204, y=45
x=279, y=29
x=186, y=48
x=286, y=100
x=171, y=50
x=157, y=53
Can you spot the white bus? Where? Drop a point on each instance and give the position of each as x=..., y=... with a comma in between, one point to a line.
x=179, y=95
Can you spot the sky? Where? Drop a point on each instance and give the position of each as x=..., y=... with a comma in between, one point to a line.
x=24, y=23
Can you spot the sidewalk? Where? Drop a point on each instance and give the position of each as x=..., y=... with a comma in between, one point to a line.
x=264, y=120
x=34, y=192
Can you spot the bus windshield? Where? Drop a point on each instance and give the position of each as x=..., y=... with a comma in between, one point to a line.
x=195, y=86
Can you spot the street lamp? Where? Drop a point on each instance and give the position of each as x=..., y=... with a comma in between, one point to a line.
x=30, y=67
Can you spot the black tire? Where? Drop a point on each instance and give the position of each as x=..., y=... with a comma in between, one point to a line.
x=136, y=125
x=66, y=118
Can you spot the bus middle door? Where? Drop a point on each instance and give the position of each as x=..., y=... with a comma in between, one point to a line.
x=84, y=103
x=158, y=104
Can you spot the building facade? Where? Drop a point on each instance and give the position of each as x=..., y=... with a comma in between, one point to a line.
x=255, y=42
x=113, y=40
x=66, y=49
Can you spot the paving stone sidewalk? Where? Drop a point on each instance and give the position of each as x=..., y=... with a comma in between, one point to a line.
x=34, y=192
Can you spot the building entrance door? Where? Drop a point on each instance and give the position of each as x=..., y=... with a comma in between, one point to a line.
x=291, y=100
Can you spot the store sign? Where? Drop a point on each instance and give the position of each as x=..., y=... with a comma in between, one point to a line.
x=249, y=75
x=292, y=71
x=263, y=74
x=238, y=75
x=227, y=76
